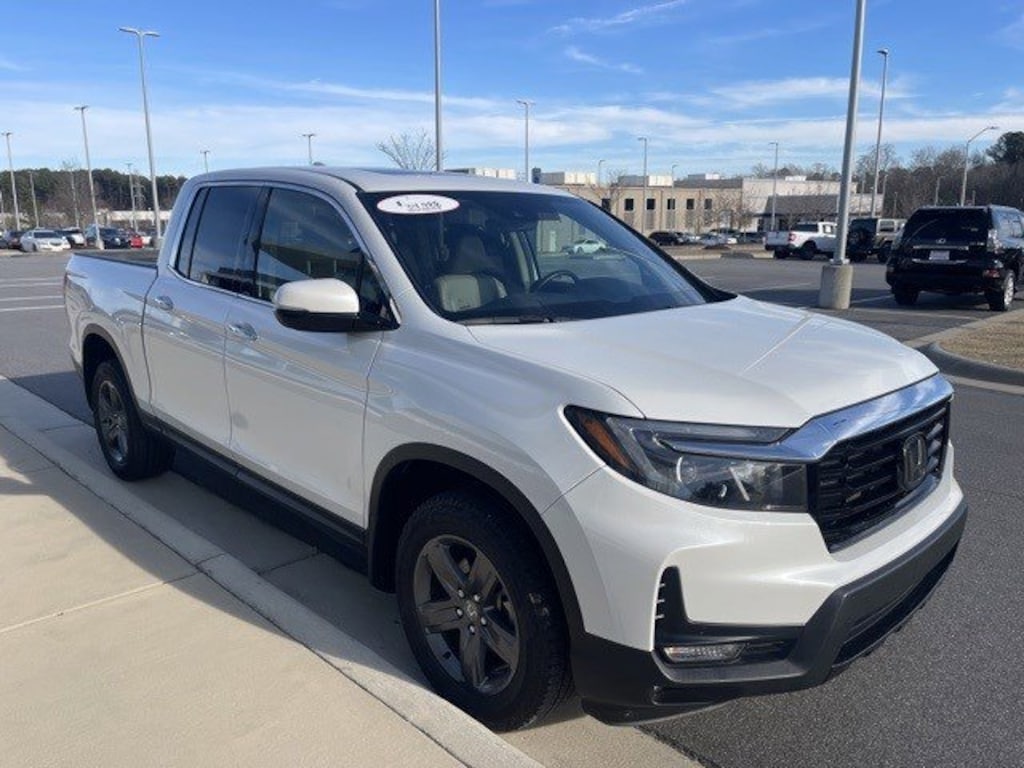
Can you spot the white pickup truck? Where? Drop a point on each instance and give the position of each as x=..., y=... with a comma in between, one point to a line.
x=806, y=239
x=592, y=472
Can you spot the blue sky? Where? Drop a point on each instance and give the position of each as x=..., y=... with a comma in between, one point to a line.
x=710, y=82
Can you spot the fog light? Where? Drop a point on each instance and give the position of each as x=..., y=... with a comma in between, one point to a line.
x=702, y=654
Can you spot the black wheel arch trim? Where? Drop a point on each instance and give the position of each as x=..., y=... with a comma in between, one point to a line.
x=94, y=329
x=501, y=486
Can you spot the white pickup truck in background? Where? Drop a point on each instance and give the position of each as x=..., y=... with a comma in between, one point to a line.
x=593, y=472
x=806, y=240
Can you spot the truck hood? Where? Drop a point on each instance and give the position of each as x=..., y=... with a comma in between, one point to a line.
x=732, y=362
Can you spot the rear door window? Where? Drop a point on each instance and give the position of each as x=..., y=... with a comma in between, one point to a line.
x=218, y=254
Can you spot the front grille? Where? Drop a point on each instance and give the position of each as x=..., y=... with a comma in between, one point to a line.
x=856, y=486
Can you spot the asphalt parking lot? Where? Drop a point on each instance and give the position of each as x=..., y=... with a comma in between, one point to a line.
x=944, y=692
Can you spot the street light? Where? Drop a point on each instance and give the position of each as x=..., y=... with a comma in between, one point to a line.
x=88, y=171
x=527, y=104
x=967, y=160
x=878, y=138
x=672, y=172
x=775, y=179
x=438, y=152
x=14, y=186
x=131, y=193
x=309, y=145
x=139, y=34
x=599, y=164
x=938, y=180
x=643, y=201
x=206, y=161
x=32, y=192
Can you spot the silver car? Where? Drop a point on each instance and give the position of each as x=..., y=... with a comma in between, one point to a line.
x=43, y=240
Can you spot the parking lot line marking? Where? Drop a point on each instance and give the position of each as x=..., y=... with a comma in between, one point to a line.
x=32, y=298
x=780, y=287
x=42, y=279
x=30, y=309
x=16, y=286
x=871, y=300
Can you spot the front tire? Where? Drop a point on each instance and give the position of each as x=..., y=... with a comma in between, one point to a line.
x=808, y=251
x=480, y=611
x=132, y=452
x=1000, y=301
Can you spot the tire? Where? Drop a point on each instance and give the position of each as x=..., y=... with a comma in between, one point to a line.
x=807, y=251
x=857, y=258
x=883, y=253
x=905, y=295
x=780, y=254
x=514, y=629
x=132, y=452
x=1000, y=301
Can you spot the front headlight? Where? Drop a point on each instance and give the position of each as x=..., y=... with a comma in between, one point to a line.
x=668, y=457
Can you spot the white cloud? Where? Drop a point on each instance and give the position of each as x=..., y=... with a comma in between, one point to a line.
x=575, y=54
x=644, y=13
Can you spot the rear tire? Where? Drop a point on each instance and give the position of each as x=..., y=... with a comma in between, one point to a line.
x=905, y=295
x=808, y=250
x=1000, y=301
x=480, y=611
x=132, y=452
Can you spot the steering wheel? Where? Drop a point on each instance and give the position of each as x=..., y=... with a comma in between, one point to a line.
x=552, y=276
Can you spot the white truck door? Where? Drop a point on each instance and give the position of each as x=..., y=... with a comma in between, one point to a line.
x=297, y=398
x=186, y=311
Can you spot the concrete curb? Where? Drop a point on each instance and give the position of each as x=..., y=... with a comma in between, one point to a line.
x=456, y=732
x=965, y=367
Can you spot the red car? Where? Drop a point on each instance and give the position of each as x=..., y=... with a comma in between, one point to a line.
x=134, y=238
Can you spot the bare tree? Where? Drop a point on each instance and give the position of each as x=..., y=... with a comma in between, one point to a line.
x=416, y=153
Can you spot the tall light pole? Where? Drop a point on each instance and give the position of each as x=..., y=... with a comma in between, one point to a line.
x=967, y=160
x=74, y=196
x=131, y=192
x=32, y=191
x=88, y=172
x=206, y=160
x=526, y=105
x=672, y=172
x=14, y=185
x=438, y=151
x=309, y=145
x=139, y=34
x=878, y=139
x=935, y=200
x=643, y=201
x=775, y=179
x=599, y=164
x=837, y=276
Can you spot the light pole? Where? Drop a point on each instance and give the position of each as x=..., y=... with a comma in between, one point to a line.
x=643, y=200
x=599, y=164
x=309, y=145
x=967, y=160
x=775, y=180
x=935, y=200
x=878, y=139
x=139, y=34
x=88, y=171
x=131, y=193
x=14, y=186
x=837, y=276
x=32, y=191
x=526, y=105
x=438, y=152
x=206, y=161
x=672, y=172
x=74, y=196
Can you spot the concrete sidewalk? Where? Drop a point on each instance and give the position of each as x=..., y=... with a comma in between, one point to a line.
x=128, y=640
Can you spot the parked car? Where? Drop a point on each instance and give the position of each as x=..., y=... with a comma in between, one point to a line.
x=74, y=236
x=756, y=238
x=34, y=240
x=111, y=236
x=11, y=239
x=671, y=237
x=616, y=477
x=974, y=249
x=716, y=239
x=585, y=246
x=805, y=239
x=871, y=236
x=134, y=238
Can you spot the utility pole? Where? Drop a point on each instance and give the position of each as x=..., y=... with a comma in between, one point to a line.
x=309, y=145
x=140, y=35
x=643, y=201
x=32, y=191
x=131, y=191
x=14, y=185
x=206, y=161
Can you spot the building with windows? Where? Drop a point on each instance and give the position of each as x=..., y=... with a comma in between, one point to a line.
x=704, y=202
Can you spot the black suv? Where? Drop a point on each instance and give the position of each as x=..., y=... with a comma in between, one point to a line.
x=975, y=249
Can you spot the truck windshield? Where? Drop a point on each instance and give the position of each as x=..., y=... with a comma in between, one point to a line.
x=516, y=257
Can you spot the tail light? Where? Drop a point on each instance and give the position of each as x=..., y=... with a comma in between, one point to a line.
x=993, y=243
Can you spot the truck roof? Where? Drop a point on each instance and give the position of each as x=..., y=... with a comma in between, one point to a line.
x=380, y=179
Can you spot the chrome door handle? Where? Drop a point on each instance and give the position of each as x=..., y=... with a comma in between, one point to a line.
x=163, y=302
x=243, y=331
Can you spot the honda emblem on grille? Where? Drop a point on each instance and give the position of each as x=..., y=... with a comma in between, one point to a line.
x=913, y=461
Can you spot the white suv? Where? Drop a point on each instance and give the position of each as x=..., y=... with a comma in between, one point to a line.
x=594, y=471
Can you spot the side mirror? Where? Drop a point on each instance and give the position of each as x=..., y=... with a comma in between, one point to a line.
x=326, y=305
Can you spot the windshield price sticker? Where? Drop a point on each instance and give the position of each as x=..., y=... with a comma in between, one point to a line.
x=416, y=205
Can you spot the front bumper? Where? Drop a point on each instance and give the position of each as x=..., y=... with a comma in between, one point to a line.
x=623, y=685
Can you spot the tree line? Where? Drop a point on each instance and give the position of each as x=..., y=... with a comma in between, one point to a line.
x=61, y=197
